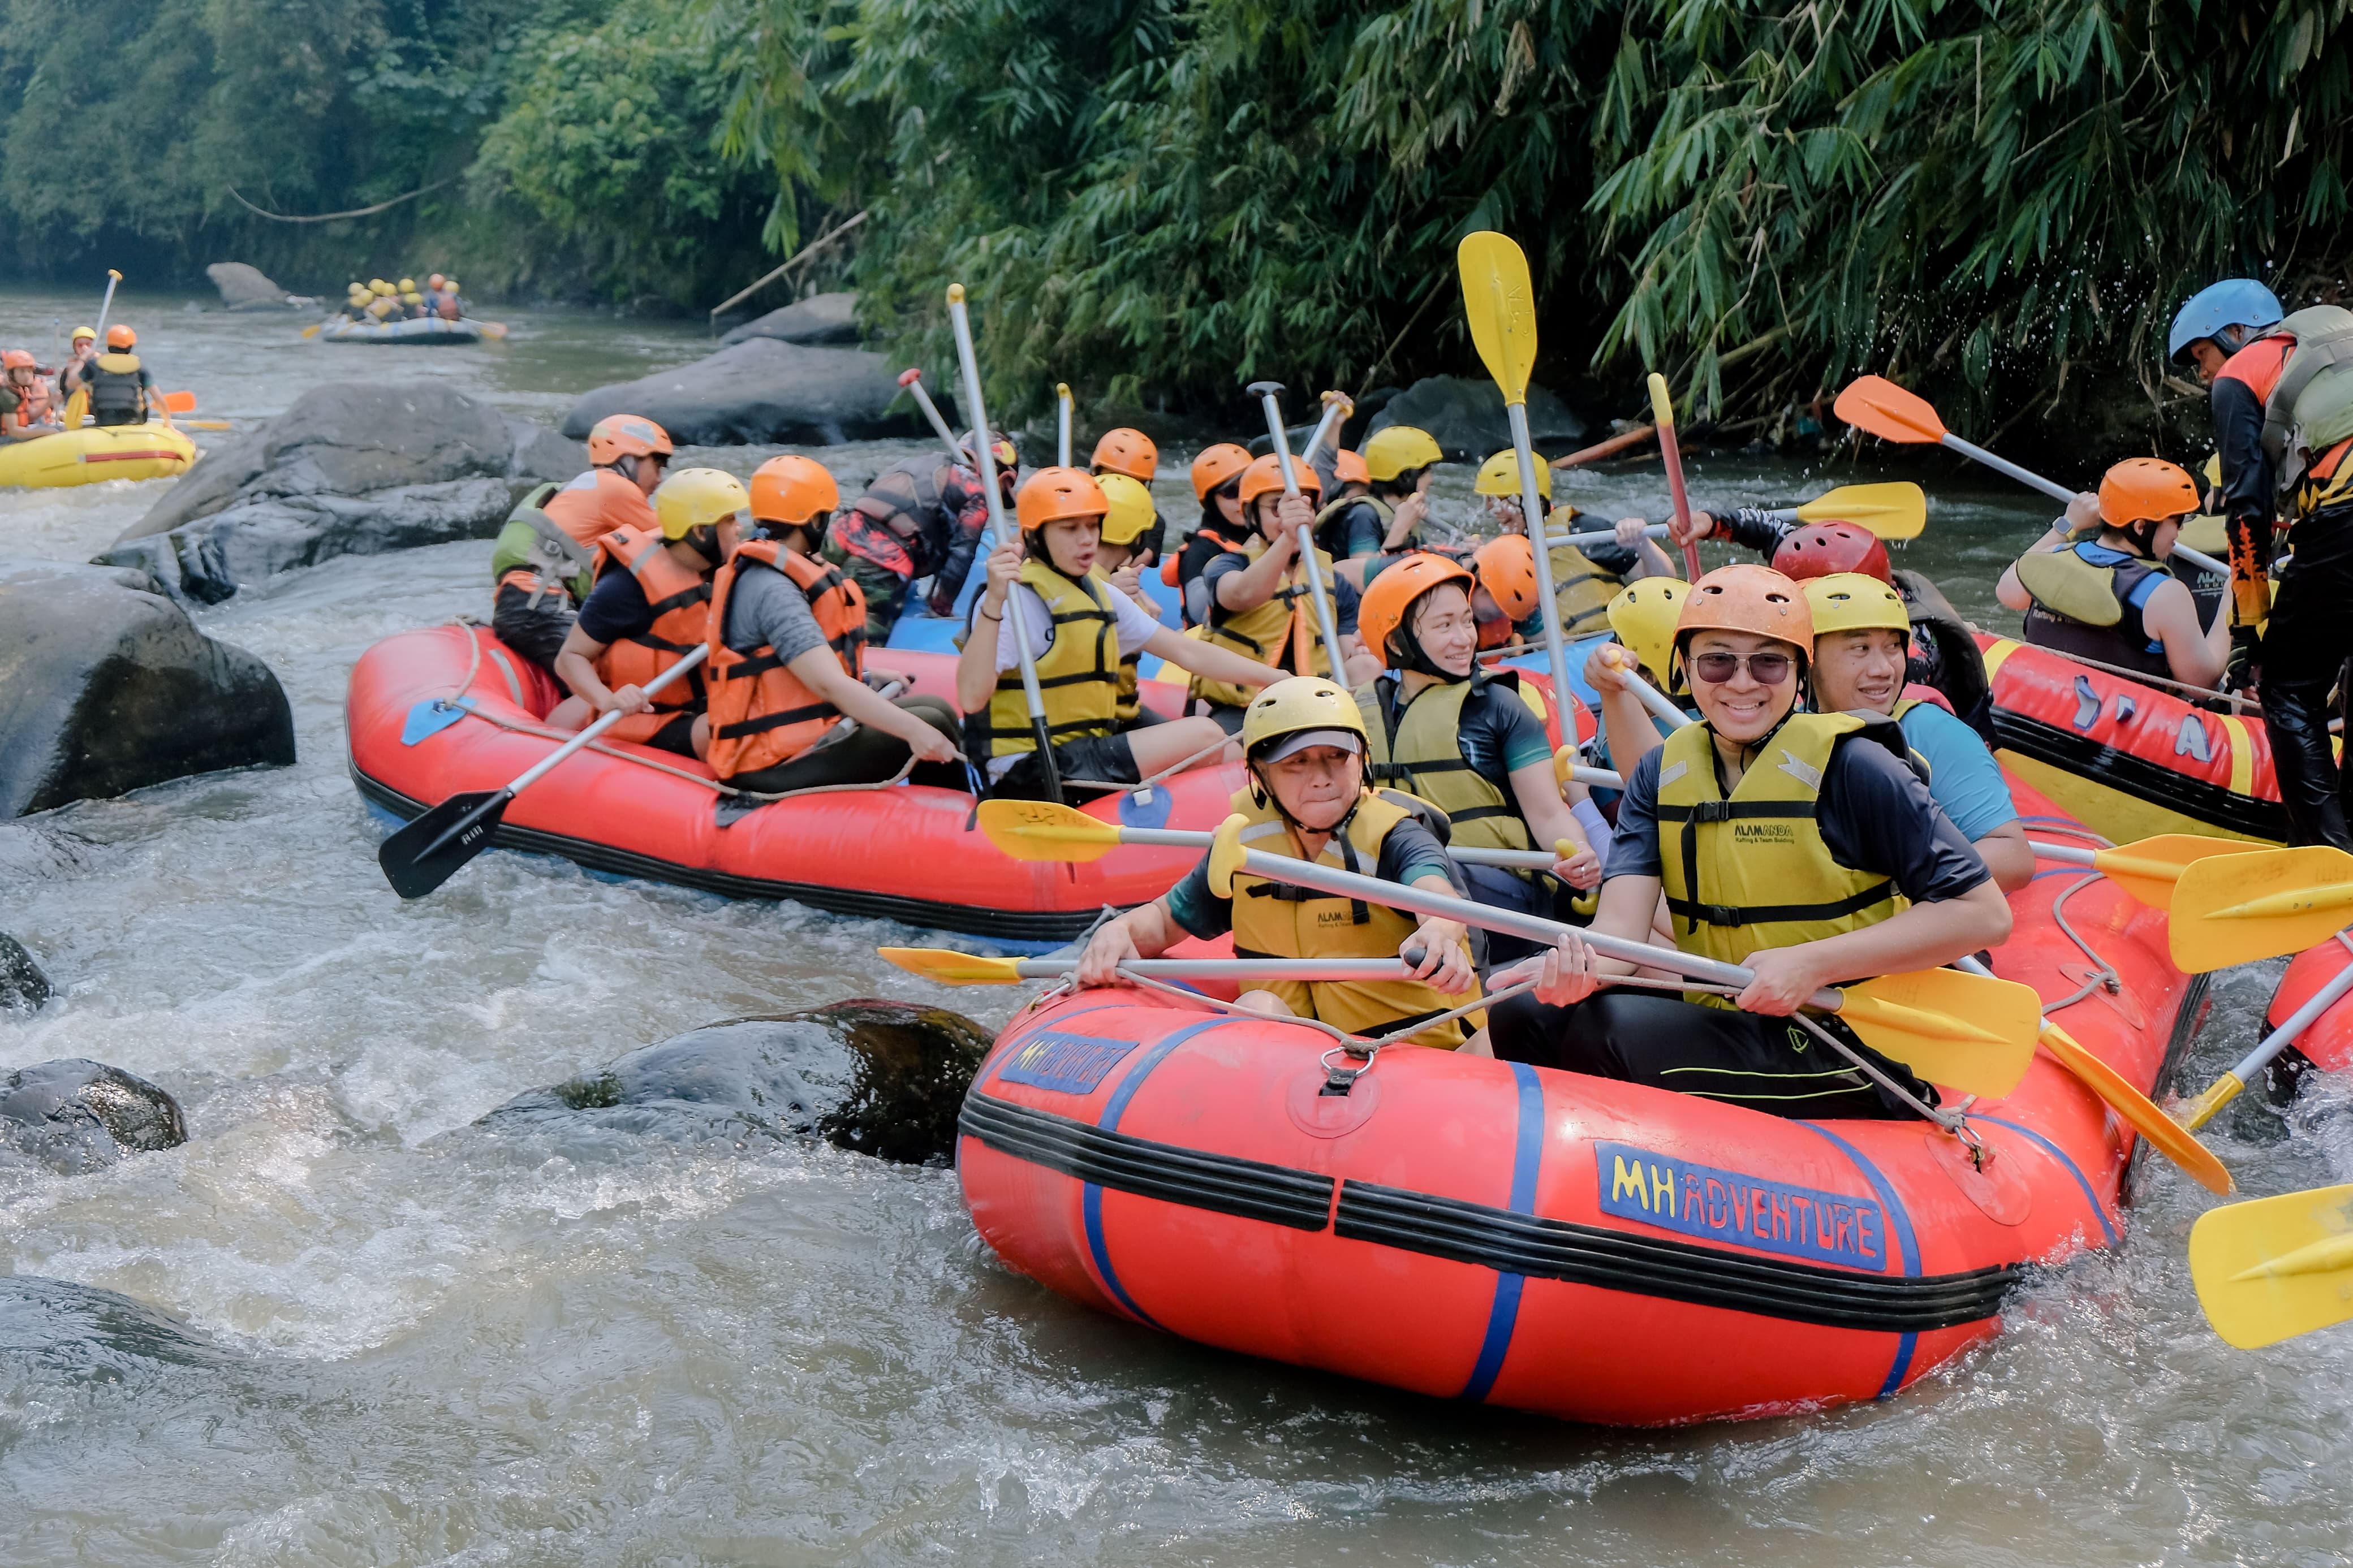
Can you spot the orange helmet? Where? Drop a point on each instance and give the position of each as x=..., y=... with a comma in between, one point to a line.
x=119, y=336
x=435, y=281
x=1507, y=570
x=2146, y=489
x=18, y=359
x=1264, y=475
x=619, y=436
x=793, y=492
x=1391, y=595
x=1051, y=495
x=1129, y=452
x=1742, y=597
x=1215, y=465
x=1820, y=549
x=1348, y=468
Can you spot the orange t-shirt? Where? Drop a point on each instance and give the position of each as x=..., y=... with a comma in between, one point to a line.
x=595, y=503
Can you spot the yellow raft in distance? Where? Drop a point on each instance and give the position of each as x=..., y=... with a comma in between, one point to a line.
x=93, y=453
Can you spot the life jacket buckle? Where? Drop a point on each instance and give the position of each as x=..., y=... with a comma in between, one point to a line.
x=1712, y=811
x=1721, y=914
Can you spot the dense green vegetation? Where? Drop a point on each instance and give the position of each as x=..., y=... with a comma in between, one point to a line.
x=2002, y=199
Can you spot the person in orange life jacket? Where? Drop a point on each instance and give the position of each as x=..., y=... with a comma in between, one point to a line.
x=1217, y=485
x=2097, y=584
x=652, y=603
x=921, y=518
x=1308, y=791
x=26, y=410
x=1820, y=900
x=792, y=706
x=1079, y=628
x=543, y=555
x=77, y=366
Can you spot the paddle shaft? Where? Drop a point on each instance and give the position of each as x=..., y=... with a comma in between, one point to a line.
x=1230, y=968
x=549, y=763
x=1063, y=423
x=1662, y=411
x=913, y=382
x=1267, y=392
x=1194, y=839
x=2287, y=1034
x=1017, y=618
x=1603, y=536
x=1609, y=449
x=1532, y=508
x=1336, y=407
x=2063, y=496
x=113, y=277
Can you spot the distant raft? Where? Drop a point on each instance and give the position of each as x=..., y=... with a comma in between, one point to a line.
x=430, y=329
x=94, y=453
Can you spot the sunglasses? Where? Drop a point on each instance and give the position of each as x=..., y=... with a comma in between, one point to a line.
x=1765, y=669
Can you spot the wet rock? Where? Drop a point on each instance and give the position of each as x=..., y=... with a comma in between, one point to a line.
x=243, y=288
x=760, y=390
x=85, y=1333
x=1466, y=417
x=819, y=319
x=106, y=686
x=75, y=1115
x=885, y=1078
x=351, y=468
x=23, y=987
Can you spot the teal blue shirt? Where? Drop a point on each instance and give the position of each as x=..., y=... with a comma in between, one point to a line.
x=1963, y=777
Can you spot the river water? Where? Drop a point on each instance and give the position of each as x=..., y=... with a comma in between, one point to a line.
x=417, y=1342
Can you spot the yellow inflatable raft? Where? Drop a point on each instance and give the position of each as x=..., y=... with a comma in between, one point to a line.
x=93, y=453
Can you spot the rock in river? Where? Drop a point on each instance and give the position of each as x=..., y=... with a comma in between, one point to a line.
x=243, y=288
x=819, y=319
x=760, y=389
x=75, y=1115
x=351, y=468
x=1467, y=418
x=23, y=986
x=106, y=686
x=885, y=1078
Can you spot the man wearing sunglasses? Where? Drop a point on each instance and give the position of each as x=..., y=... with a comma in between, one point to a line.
x=1800, y=845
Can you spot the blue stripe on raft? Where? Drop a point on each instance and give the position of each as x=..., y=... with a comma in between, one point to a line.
x=2056, y=1152
x=1906, y=1243
x=1090, y=1195
x=1527, y=1154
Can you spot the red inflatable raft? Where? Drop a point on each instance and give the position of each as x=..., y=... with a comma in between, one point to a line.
x=1599, y=1251
x=448, y=709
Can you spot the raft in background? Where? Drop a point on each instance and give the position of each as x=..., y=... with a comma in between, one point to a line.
x=1582, y=1249
x=428, y=330
x=95, y=453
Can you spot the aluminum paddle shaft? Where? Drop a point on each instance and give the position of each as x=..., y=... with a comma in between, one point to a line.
x=1268, y=393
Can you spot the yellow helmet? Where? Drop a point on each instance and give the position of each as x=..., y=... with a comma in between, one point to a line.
x=1853, y=602
x=698, y=498
x=1131, y=513
x=1294, y=706
x=378, y=286
x=1644, y=616
x=451, y=286
x=1500, y=476
x=412, y=298
x=1398, y=449
x=408, y=285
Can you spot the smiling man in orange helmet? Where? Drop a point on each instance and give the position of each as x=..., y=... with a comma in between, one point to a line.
x=1799, y=844
x=543, y=562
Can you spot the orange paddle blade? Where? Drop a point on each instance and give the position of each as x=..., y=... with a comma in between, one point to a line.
x=1877, y=405
x=180, y=401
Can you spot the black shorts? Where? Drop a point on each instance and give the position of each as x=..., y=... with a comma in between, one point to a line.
x=676, y=737
x=1099, y=759
x=536, y=631
x=1230, y=720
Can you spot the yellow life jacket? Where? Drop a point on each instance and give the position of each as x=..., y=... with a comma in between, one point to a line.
x=1752, y=872
x=1129, y=707
x=1275, y=920
x=1417, y=747
x=1326, y=534
x=1266, y=632
x=1078, y=676
x=1583, y=592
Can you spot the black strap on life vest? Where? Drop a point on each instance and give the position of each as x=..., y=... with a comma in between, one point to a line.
x=1688, y=906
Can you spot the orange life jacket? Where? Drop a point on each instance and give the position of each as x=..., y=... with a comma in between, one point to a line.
x=33, y=403
x=680, y=600
x=761, y=713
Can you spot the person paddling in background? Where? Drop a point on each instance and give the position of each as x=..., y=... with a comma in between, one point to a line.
x=650, y=605
x=1217, y=485
x=1080, y=628
x=26, y=412
x=1260, y=604
x=1304, y=741
x=543, y=561
x=1119, y=560
x=919, y=518
x=121, y=392
x=791, y=704
x=2098, y=584
x=1787, y=842
x=1583, y=582
x=78, y=361
x=1400, y=463
x=1466, y=741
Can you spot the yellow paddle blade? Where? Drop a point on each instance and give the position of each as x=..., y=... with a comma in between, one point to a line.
x=2276, y=1268
x=2165, y=1134
x=1040, y=830
x=2196, y=1113
x=1875, y=403
x=1501, y=306
x=1891, y=512
x=952, y=968
x=2150, y=868
x=2237, y=909
x=313, y=331
x=203, y=424
x=492, y=329
x=1968, y=1032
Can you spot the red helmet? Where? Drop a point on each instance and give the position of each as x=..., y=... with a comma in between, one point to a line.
x=119, y=336
x=18, y=359
x=1820, y=549
x=619, y=436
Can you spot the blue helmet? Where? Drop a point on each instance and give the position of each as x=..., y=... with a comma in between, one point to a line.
x=2234, y=302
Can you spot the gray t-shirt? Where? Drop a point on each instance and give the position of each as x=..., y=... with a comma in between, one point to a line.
x=767, y=609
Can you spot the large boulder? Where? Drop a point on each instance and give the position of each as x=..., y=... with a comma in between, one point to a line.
x=885, y=1078
x=351, y=468
x=760, y=390
x=77, y=1115
x=1467, y=418
x=23, y=987
x=819, y=319
x=107, y=685
x=243, y=288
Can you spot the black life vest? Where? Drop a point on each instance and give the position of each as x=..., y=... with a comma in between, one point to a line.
x=116, y=396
